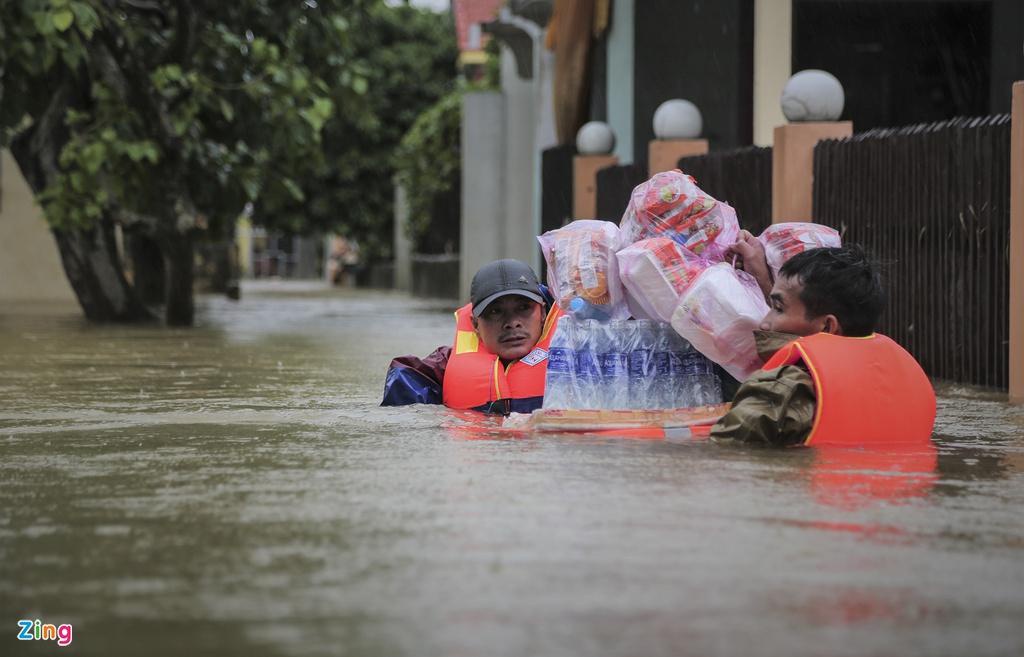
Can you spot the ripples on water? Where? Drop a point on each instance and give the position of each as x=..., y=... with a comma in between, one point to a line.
x=234, y=489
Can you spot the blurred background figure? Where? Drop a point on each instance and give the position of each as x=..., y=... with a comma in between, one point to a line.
x=343, y=261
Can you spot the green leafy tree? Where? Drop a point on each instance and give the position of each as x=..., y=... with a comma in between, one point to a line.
x=168, y=118
x=406, y=56
x=429, y=162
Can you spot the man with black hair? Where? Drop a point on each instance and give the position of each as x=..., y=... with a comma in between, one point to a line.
x=829, y=378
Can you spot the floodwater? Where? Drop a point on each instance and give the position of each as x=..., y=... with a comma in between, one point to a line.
x=234, y=489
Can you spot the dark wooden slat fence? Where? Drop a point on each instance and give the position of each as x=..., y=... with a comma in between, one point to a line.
x=741, y=177
x=614, y=186
x=932, y=203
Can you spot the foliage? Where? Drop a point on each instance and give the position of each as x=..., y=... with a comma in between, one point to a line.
x=174, y=114
x=407, y=57
x=429, y=160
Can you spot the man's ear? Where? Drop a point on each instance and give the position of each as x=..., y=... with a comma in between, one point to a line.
x=832, y=325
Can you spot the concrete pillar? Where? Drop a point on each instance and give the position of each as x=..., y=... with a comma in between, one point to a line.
x=620, y=60
x=483, y=183
x=1017, y=247
x=519, y=236
x=544, y=133
x=243, y=240
x=403, y=245
x=584, y=183
x=773, y=37
x=793, y=166
x=664, y=154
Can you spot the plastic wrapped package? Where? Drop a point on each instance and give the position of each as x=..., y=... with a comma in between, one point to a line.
x=625, y=365
x=655, y=272
x=589, y=338
x=582, y=265
x=671, y=204
x=636, y=311
x=694, y=381
x=560, y=380
x=718, y=314
x=615, y=364
x=639, y=345
x=783, y=241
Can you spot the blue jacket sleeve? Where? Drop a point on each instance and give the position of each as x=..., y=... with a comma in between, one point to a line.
x=412, y=380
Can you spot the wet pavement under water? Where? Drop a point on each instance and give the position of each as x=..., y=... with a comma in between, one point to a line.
x=234, y=489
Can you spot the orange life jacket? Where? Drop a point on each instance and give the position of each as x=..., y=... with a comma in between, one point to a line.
x=869, y=390
x=474, y=377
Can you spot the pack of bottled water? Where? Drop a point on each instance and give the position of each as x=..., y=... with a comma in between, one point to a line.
x=626, y=364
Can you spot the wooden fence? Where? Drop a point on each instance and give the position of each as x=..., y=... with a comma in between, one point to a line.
x=614, y=186
x=932, y=202
x=741, y=177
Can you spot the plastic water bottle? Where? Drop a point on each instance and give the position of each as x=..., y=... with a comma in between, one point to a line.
x=559, y=386
x=588, y=369
x=661, y=382
x=677, y=390
x=583, y=309
x=640, y=364
x=615, y=365
x=711, y=387
x=700, y=379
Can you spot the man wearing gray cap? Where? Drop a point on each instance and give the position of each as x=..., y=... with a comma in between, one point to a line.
x=498, y=359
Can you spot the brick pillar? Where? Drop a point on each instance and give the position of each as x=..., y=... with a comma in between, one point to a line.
x=1017, y=247
x=793, y=166
x=584, y=183
x=664, y=154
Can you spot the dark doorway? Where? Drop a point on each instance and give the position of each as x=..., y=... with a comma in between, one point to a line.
x=700, y=50
x=899, y=62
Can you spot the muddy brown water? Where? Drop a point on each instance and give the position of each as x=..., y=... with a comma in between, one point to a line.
x=234, y=489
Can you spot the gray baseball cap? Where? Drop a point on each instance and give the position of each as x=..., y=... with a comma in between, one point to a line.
x=502, y=278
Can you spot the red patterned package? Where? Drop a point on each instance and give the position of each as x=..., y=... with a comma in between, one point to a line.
x=783, y=241
x=671, y=205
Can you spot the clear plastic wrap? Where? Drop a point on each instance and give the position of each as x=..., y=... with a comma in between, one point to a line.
x=560, y=380
x=671, y=204
x=655, y=272
x=582, y=265
x=615, y=364
x=718, y=314
x=783, y=241
x=625, y=364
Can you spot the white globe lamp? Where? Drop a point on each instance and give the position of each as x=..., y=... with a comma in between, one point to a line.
x=595, y=138
x=813, y=95
x=677, y=119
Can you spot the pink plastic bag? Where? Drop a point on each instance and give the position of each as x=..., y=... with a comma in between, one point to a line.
x=655, y=272
x=783, y=241
x=671, y=205
x=718, y=313
x=582, y=264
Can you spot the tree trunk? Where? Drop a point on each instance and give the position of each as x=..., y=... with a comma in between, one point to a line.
x=89, y=255
x=94, y=270
x=225, y=272
x=148, y=274
x=179, y=265
x=218, y=255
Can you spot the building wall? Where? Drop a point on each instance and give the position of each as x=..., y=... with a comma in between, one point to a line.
x=773, y=37
x=519, y=228
x=1007, y=52
x=30, y=268
x=910, y=62
x=483, y=178
x=700, y=51
x=619, y=71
